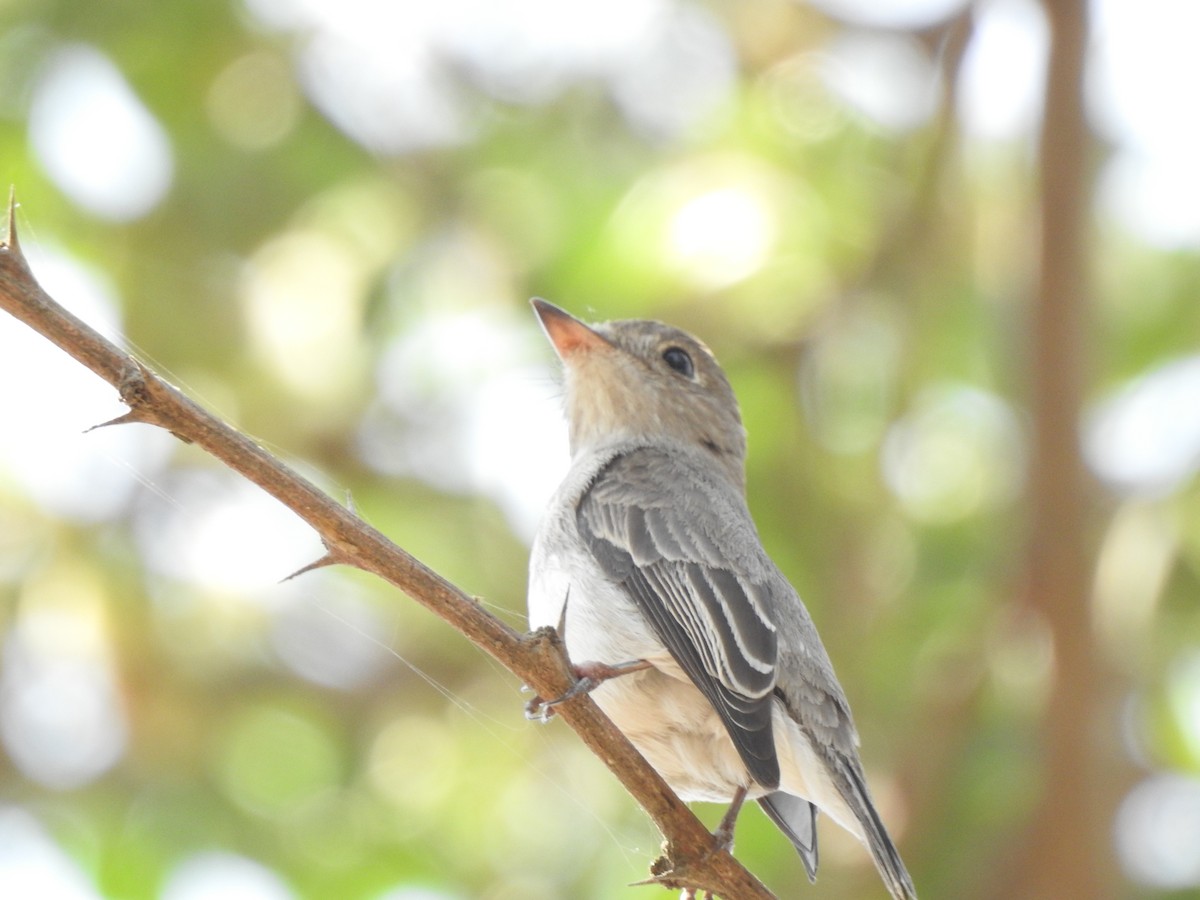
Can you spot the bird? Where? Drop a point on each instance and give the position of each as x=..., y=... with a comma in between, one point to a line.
x=686, y=634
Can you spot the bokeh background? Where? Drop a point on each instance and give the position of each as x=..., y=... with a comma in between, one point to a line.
x=324, y=220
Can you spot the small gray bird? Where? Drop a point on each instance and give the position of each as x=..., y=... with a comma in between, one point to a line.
x=650, y=565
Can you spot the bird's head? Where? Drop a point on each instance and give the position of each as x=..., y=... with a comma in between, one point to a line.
x=643, y=380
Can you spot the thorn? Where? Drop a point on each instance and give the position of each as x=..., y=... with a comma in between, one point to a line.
x=666, y=879
x=10, y=235
x=328, y=559
x=670, y=882
x=129, y=418
x=350, y=501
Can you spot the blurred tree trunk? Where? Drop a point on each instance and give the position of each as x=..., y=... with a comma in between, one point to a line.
x=1064, y=852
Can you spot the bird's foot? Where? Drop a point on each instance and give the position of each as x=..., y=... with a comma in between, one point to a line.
x=588, y=677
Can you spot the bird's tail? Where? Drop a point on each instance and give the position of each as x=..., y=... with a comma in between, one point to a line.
x=796, y=818
x=853, y=787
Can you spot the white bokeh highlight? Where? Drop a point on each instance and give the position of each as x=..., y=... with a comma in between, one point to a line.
x=1143, y=74
x=61, y=719
x=958, y=452
x=1145, y=438
x=468, y=406
x=205, y=876
x=1158, y=831
x=891, y=13
x=380, y=71
x=33, y=865
x=722, y=236
x=330, y=634
x=1004, y=71
x=218, y=532
x=96, y=139
x=886, y=77
x=678, y=75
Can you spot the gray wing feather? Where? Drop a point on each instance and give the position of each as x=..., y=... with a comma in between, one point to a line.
x=675, y=539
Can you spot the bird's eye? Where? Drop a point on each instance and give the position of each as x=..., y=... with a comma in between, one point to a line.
x=678, y=359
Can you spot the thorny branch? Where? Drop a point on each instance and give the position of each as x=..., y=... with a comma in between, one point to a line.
x=690, y=859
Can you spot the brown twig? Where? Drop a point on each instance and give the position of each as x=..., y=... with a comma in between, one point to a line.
x=690, y=858
x=1062, y=854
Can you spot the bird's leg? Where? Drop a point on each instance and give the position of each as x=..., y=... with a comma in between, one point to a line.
x=588, y=677
x=724, y=833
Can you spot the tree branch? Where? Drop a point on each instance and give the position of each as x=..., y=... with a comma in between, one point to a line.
x=690, y=859
x=1063, y=853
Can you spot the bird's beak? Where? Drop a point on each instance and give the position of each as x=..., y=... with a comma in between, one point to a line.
x=568, y=335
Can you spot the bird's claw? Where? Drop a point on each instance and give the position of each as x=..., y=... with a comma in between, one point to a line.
x=588, y=677
x=539, y=710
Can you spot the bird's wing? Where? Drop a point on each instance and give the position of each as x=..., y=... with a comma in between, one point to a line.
x=678, y=539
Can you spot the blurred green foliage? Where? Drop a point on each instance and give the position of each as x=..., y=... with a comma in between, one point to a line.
x=319, y=292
